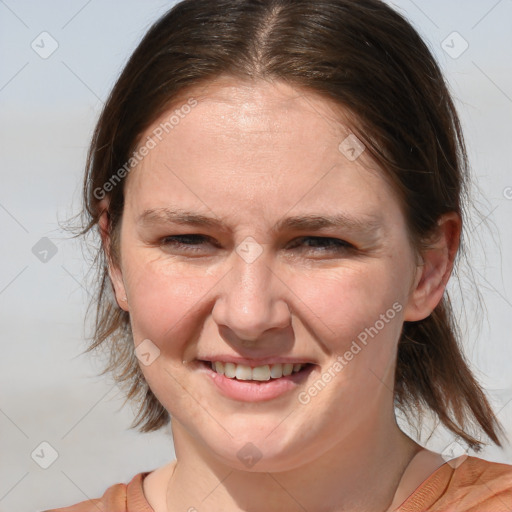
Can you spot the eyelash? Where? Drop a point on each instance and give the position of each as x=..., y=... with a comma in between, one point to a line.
x=336, y=245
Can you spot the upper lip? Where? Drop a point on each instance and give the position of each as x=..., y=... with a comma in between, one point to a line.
x=255, y=361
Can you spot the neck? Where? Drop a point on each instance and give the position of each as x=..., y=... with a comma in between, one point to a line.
x=361, y=473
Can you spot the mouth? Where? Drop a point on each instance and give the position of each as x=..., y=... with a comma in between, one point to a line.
x=262, y=373
x=248, y=383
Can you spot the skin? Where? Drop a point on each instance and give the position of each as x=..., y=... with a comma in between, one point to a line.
x=251, y=154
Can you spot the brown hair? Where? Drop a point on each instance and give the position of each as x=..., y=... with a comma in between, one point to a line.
x=371, y=62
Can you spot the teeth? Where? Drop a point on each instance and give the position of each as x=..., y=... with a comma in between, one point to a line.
x=276, y=371
x=260, y=373
x=230, y=370
x=287, y=369
x=243, y=372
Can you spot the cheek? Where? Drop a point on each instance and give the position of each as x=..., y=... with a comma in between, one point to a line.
x=346, y=305
x=164, y=299
x=171, y=301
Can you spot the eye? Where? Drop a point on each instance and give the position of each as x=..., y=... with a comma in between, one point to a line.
x=186, y=243
x=323, y=244
x=192, y=243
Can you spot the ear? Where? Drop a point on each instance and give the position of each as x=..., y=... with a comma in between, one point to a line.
x=114, y=271
x=433, y=272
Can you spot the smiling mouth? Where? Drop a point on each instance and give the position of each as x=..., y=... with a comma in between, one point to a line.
x=262, y=373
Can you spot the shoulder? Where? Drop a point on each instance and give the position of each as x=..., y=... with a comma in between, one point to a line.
x=474, y=468
x=468, y=484
x=115, y=499
x=482, y=484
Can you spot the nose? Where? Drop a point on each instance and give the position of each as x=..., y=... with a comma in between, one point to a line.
x=252, y=302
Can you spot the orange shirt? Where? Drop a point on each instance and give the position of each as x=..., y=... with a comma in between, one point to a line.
x=475, y=486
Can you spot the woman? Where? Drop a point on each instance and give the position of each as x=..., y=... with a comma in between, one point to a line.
x=279, y=188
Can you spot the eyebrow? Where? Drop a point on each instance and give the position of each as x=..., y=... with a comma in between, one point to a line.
x=367, y=224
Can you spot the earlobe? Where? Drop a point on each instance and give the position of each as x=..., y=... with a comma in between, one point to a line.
x=114, y=271
x=435, y=270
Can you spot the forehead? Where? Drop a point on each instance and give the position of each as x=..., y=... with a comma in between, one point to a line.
x=240, y=113
x=250, y=142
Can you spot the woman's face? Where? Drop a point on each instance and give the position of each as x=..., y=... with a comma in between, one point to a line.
x=253, y=232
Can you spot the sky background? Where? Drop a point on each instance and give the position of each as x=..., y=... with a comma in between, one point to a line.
x=49, y=391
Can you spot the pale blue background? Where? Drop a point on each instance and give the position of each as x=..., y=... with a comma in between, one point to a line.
x=48, y=109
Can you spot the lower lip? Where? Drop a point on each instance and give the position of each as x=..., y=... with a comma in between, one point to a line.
x=257, y=391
